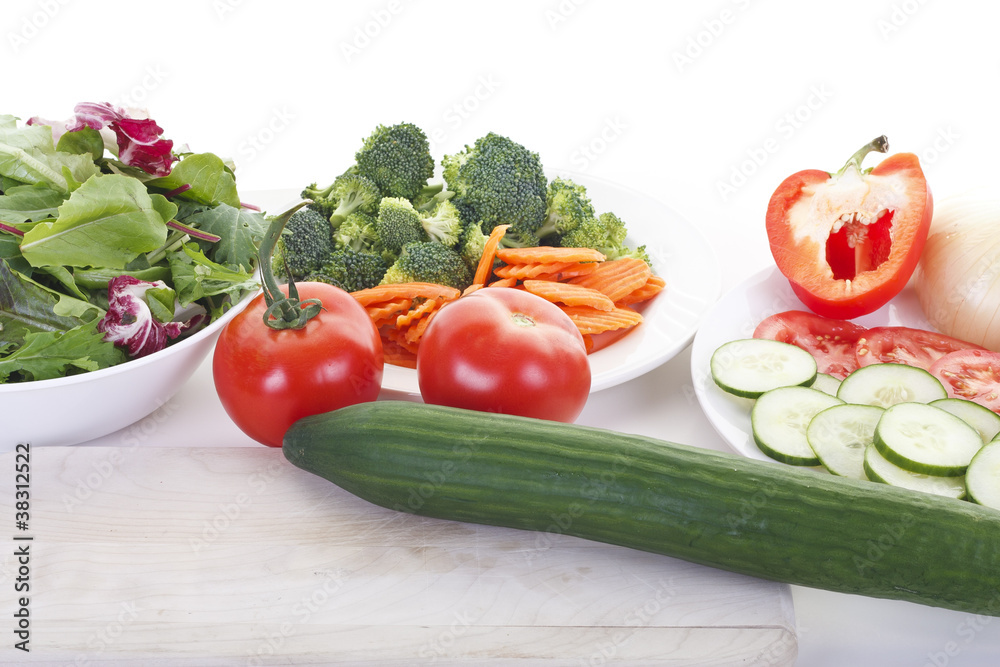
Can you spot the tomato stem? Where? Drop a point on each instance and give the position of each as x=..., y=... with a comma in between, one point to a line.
x=878, y=144
x=283, y=312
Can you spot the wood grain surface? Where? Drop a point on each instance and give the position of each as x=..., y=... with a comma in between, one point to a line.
x=177, y=556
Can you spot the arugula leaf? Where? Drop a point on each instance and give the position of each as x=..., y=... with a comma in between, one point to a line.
x=106, y=222
x=241, y=231
x=28, y=155
x=29, y=202
x=26, y=307
x=211, y=182
x=53, y=354
x=196, y=276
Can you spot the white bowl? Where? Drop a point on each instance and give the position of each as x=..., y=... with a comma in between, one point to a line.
x=74, y=409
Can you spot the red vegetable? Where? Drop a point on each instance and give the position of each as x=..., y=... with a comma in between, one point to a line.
x=298, y=350
x=848, y=242
x=902, y=345
x=830, y=341
x=508, y=351
x=971, y=374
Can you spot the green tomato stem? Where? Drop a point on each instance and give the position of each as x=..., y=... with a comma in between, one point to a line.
x=283, y=312
x=878, y=144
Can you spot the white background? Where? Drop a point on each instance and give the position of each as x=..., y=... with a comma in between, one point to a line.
x=705, y=106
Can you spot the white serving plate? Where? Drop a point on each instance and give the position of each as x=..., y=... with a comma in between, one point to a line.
x=735, y=316
x=680, y=254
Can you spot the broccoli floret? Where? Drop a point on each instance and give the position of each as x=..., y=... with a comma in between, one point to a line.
x=347, y=194
x=471, y=245
x=430, y=196
x=567, y=207
x=444, y=225
x=498, y=181
x=304, y=246
x=352, y=270
x=397, y=158
x=605, y=233
x=397, y=224
x=429, y=262
x=357, y=232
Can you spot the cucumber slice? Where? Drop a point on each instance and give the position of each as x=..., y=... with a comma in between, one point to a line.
x=878, y=469
x=925, y=439
x=885, y=385
x=826, y=383
x=749, y=367
x=983, y=477
x=840, y=435
x=977, y=416
x=779, y=420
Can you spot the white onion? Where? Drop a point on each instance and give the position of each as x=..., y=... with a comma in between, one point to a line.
x=958, y=278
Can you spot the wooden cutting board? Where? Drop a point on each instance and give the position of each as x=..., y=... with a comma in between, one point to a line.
x=231, y=556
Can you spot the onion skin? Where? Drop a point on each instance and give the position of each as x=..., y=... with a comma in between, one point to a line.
x=958, y=278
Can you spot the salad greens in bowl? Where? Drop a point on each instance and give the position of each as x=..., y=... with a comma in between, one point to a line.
x=121, y=259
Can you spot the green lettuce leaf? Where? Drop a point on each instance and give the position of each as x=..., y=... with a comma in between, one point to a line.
x=196, y=276
x=28, y=155
x=211, y=182
x=107, y=222
x=241, y=231
x=53, y=354
x=27, y=307
x=29, y=202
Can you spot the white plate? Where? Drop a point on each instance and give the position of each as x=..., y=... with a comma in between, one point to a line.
x=736, y=316
x=680, y=254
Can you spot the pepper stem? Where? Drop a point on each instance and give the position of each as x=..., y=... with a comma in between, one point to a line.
x=283, y=312
x=878, y=144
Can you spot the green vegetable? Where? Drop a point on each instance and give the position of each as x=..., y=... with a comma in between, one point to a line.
x=712, y=508
x=567, y=207
x=605, y=233
x=351, y=270
x=357, y=232
x=444, y=224
x=398, y=223
x=397, y=158
x=305, y=246
x=349, y=193
x=429, y=262
x=499, y=182
x=77, y=225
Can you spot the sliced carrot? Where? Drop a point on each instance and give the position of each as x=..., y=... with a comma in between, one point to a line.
x=386, y=312
x=592, y=321
x=532, y=270
x=617, y=278
x=397, y=355
x=569, y=294
x=575, y=270
x=653, y=286
x=485, y=266
x=504, y=282
x=548, y=255
x=413, y=333
x=472, y=288
x=414, y=314
x=383, y=293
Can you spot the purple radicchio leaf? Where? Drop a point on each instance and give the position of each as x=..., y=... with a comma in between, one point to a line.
x=129, y=322
x=139, y=141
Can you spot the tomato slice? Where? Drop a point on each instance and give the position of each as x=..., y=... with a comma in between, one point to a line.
x=848, y=242
x=830, y=341
x=971, y=374
x=902, y=345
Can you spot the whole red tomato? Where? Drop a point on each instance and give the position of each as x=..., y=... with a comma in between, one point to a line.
x=267, y=379
x=508, y=351
x=848, y=242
